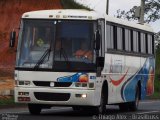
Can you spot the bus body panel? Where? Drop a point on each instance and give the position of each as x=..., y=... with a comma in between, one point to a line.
x=52, y=76
x=38, y=81
x=123, y=74
x=89, y=101
x=123, y=69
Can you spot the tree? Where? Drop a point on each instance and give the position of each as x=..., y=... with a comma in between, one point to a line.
x=152, y=10
x=157, y=38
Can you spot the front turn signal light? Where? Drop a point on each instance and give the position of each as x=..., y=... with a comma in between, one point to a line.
x=83, y=78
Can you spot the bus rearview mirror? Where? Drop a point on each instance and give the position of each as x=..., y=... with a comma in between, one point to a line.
x=97, y=40
x=12, y=39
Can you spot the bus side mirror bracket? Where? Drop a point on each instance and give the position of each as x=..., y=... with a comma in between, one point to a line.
x=12, y=39
x=100, y=62
x=100, y=65
x=97, y=40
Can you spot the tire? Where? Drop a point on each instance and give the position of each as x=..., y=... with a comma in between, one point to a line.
x=133, y=106
x=76, y=108
x=102, y=108
x=34, y=109
x=124, y=107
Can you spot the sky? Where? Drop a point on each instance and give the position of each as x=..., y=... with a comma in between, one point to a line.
x=114, y=5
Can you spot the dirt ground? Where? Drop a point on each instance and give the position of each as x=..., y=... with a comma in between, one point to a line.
x=6, y=83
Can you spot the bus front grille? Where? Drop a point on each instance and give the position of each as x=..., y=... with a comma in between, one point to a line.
x=45, y=96
x=56, y=84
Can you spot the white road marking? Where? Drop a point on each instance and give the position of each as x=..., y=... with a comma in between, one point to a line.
x=57, y=109
x=45, y=110
x=68, y=108
x=149, y=112
x=14, y=112
x=150, y=101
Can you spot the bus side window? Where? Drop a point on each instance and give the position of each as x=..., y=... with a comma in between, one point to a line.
x=128, y=40
x=139, y=42
x=153, y=45
x=109, y=42
x=143, y=43
x=115, y=37
x=146, y=40
x=150, y=44
x=119, y=38
x=131, y=36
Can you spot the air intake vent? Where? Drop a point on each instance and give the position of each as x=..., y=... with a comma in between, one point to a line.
x=52, y=96
x=56, y=84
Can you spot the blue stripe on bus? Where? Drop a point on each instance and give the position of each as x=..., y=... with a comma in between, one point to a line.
x=129, y=88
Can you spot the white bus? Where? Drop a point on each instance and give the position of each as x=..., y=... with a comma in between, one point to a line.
x=82, y=59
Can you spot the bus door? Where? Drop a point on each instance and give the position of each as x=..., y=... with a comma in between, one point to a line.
x=100, y=57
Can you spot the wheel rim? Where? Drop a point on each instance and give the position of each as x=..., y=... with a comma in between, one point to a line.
x=102, y=108
x=137, y=98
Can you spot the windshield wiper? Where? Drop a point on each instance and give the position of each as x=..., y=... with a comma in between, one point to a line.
x=62, y=52
x=41, y=60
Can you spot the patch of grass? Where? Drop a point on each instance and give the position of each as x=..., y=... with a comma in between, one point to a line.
x=156, y=95
x=157, y=86
x=7, y=101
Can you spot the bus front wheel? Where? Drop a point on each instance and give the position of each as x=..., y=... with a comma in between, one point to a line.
x=76, y=108
x=102, y=107
x=34, y=109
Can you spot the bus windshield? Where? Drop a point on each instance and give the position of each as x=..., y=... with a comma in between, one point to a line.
x=58, y=45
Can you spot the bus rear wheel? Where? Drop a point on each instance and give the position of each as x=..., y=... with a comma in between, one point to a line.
x=76, y=108
x=124, y=107
x=133, y=106
x=34, y=109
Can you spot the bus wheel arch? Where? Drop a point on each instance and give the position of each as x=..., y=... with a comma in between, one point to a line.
x=133, y=106
x=101, y=109
x=104, y=90
x=34, y=109
x=139, y=86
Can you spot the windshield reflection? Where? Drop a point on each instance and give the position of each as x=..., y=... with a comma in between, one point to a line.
x=34, y=41
x=70, y=45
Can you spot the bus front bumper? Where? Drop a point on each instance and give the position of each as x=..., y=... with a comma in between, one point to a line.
x=62, y=97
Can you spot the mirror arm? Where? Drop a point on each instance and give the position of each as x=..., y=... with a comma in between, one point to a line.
x=12, y=38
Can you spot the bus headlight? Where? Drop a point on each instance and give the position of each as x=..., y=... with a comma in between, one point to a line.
x=81, y=95
x=91, y=85
x=23, y=93
x=84, y=85
x=84, y=95
x=27, y=83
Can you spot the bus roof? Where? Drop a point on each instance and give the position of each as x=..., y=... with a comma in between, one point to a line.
x=80, y=14
x=131, y=24
x=63, y=14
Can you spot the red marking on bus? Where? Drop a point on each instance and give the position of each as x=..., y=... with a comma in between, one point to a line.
x=118, y=82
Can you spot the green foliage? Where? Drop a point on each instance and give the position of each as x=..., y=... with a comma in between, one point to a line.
x=157, y=39
x=71, y=4
x=156, y=95
x=152, y=10
x=8, y=101
x=158, y=62
x=157, y=75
